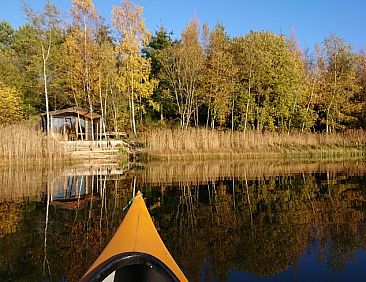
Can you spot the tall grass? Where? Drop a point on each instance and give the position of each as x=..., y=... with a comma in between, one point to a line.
x=203, y=142
x=23, y=143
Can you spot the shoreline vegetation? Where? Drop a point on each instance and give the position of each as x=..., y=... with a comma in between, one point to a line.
x=172, y=144
x=22, y=143
x=260, y=85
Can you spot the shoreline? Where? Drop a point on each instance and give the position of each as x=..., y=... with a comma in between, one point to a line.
x=214, y=144
x=300, y=153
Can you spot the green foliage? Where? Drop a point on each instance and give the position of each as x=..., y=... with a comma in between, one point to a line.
x=259, y=81
x=272, y=82
x=6, y=35
x=219, y=76
x=11, y=106
x=182, y=65
x=160, y=41
x=15, y=63
x=338, y=87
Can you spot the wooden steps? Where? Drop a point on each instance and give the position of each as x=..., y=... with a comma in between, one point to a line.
x=94, y=149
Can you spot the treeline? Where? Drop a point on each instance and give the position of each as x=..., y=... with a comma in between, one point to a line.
x=259, y=81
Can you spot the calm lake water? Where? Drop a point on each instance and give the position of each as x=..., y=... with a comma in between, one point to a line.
x=222, y=221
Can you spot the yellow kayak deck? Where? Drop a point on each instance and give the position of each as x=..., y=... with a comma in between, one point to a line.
x=137, y=234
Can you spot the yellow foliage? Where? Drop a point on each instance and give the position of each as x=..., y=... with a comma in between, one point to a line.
x=11, y=105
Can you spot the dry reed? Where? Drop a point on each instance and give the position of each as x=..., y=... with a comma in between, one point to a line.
x=203, y=142
x=23, y=143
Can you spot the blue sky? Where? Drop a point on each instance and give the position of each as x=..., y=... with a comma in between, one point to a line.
x=313, y=20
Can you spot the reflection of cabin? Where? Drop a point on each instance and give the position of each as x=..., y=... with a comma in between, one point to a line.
x=73, y=124
x=77, y=186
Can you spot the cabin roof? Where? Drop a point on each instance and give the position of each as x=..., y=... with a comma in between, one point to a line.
x=76, y=110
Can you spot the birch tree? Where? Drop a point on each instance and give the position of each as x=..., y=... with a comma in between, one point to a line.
x=339, y=86
x=183, y=64
x=133, y=69
x=47, y=25
x=106, y=78
x=272, y=82
x=83, y=54
x=252, y=61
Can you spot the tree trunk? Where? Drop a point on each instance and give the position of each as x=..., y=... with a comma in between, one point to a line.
x=79, y=123
x=208, y=116
x=46, y=97
x=45, y=58
x=232, y=115
x=133, y=116
x=115, y=121
x=161, y=113
x=102, y=109
x=87, y=81
x=133, y=108
x=213, y=118
x=249, y=94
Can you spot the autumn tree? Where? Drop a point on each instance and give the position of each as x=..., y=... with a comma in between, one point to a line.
x=107, y=76
x=11, y=105
x=361, y=79
x=133, y=69
x=272, y=83
x=252, y=64
x=294, y=44
x=182, y=64
x=47, y=26
x=6, y=35
x=218, y=77
x=82, y=56
x=337, y=103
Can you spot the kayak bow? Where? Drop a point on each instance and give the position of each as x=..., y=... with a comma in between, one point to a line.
x=136, y=252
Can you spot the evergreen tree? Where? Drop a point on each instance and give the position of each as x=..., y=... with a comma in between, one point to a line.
x=157, y=44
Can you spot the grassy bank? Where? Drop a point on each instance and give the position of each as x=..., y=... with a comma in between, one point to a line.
x=23, y=143
x=207, y=144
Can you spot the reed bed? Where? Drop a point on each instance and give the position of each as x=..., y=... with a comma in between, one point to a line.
x=169, y=143
x=23, y=143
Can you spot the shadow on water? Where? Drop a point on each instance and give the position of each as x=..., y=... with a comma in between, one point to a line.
x=222, y=221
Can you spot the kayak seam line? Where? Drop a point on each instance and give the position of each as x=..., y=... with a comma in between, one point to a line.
x=137, y=226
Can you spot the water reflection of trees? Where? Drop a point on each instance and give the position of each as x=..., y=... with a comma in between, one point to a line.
x=259, y=223
x=40, y=240
x=262, y=225
x=85, y=232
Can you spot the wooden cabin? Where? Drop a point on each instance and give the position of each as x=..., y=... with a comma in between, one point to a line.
x=73, y=124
